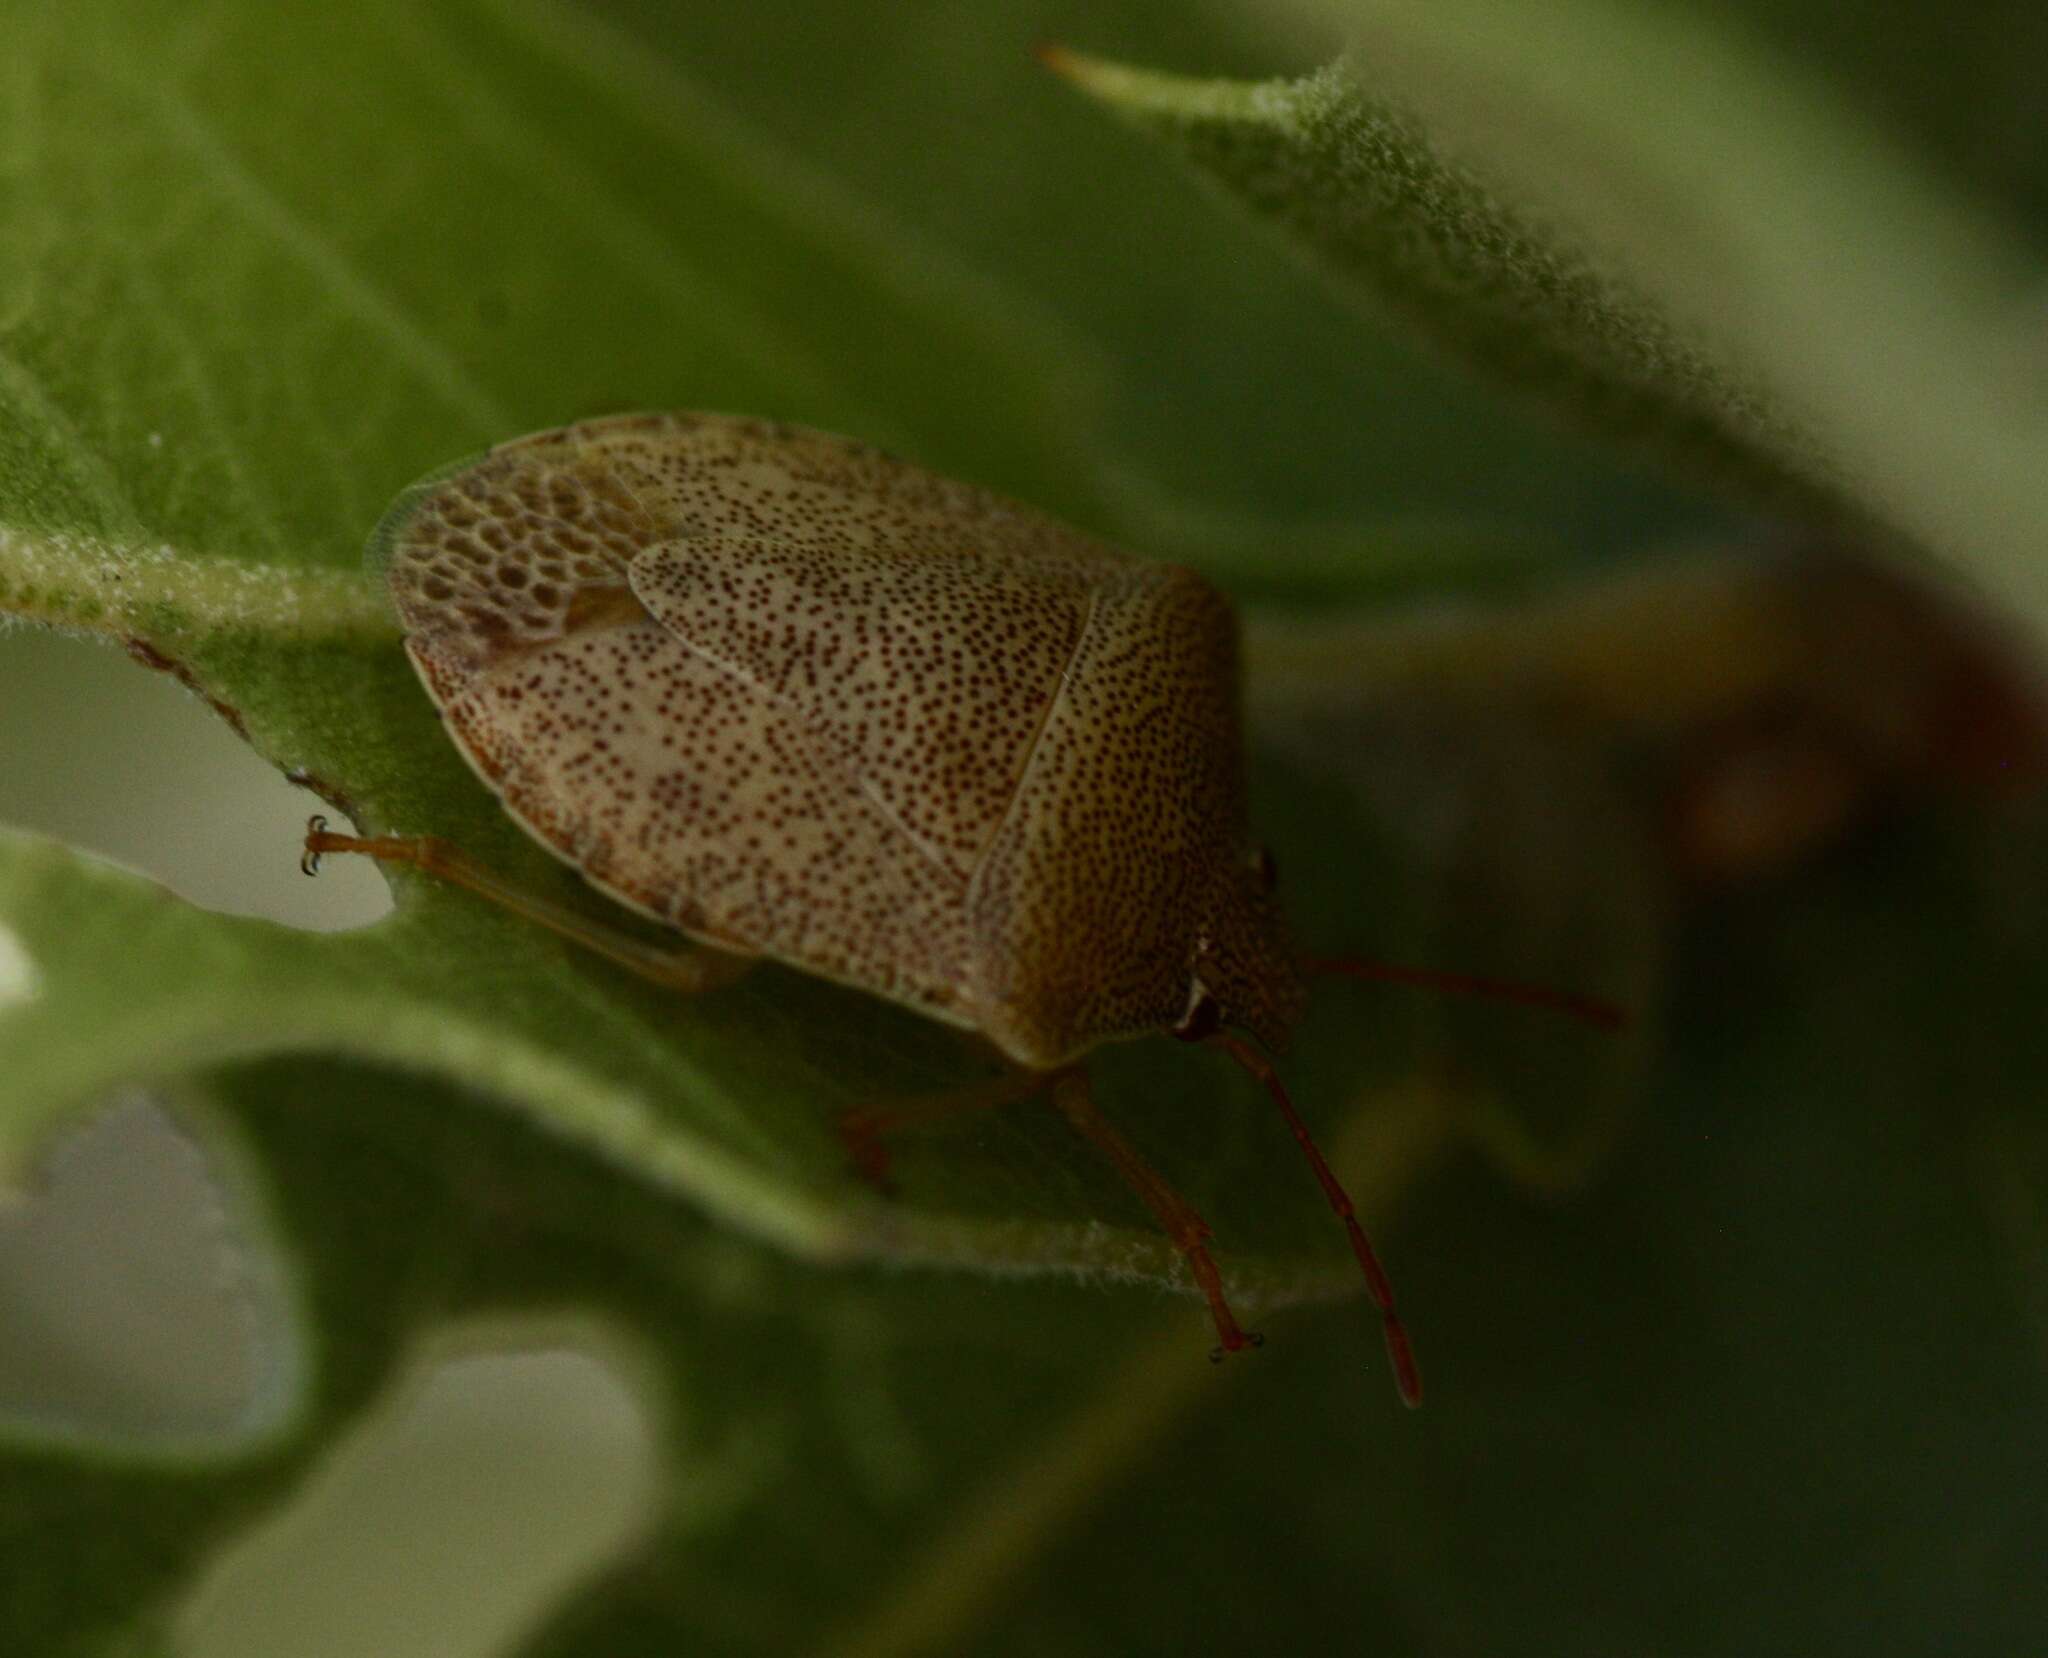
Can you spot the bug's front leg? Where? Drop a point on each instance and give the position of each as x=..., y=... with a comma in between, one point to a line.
x=1180, y=1220
x=691, y=969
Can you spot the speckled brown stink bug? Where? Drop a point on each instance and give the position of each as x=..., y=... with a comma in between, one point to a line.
x=800, y=700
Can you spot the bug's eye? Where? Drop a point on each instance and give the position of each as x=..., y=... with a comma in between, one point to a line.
x=1264, y=870
x=1203, y=1018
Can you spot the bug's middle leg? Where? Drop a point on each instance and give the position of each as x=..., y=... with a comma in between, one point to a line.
x=1178, y=1217
x=689, y=969
x=865, y=1129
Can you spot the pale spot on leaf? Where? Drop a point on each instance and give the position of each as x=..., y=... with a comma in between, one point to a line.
x=132, y=1307
x=448, y=1527
x=19, y=981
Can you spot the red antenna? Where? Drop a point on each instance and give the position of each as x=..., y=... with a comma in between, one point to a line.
x=1400, y=1352
x=1591, y=1009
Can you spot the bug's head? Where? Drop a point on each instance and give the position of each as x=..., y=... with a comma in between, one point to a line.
x=1241, y=967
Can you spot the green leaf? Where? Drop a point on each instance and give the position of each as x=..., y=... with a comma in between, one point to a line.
x=407, y=1212
x=1749, y=281
x=396, y=1215
x=1768, y=219
x=1834, y=1281
x=1359, y=182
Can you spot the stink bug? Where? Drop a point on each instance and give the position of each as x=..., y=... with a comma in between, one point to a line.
x=800, y=700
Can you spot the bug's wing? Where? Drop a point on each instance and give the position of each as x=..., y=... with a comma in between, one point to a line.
x=662, y=776
x=504, y=554
x=927, y=677
x=675, y=789
x=919, y=627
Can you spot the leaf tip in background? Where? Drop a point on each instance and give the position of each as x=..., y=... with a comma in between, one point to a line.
x=1360, y=184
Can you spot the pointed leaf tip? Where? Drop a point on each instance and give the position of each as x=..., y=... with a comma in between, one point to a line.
x=1376, y=199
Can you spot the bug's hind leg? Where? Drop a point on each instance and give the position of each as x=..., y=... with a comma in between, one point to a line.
x=1179, y=1218
x=691, y=969
x=865, y=1129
